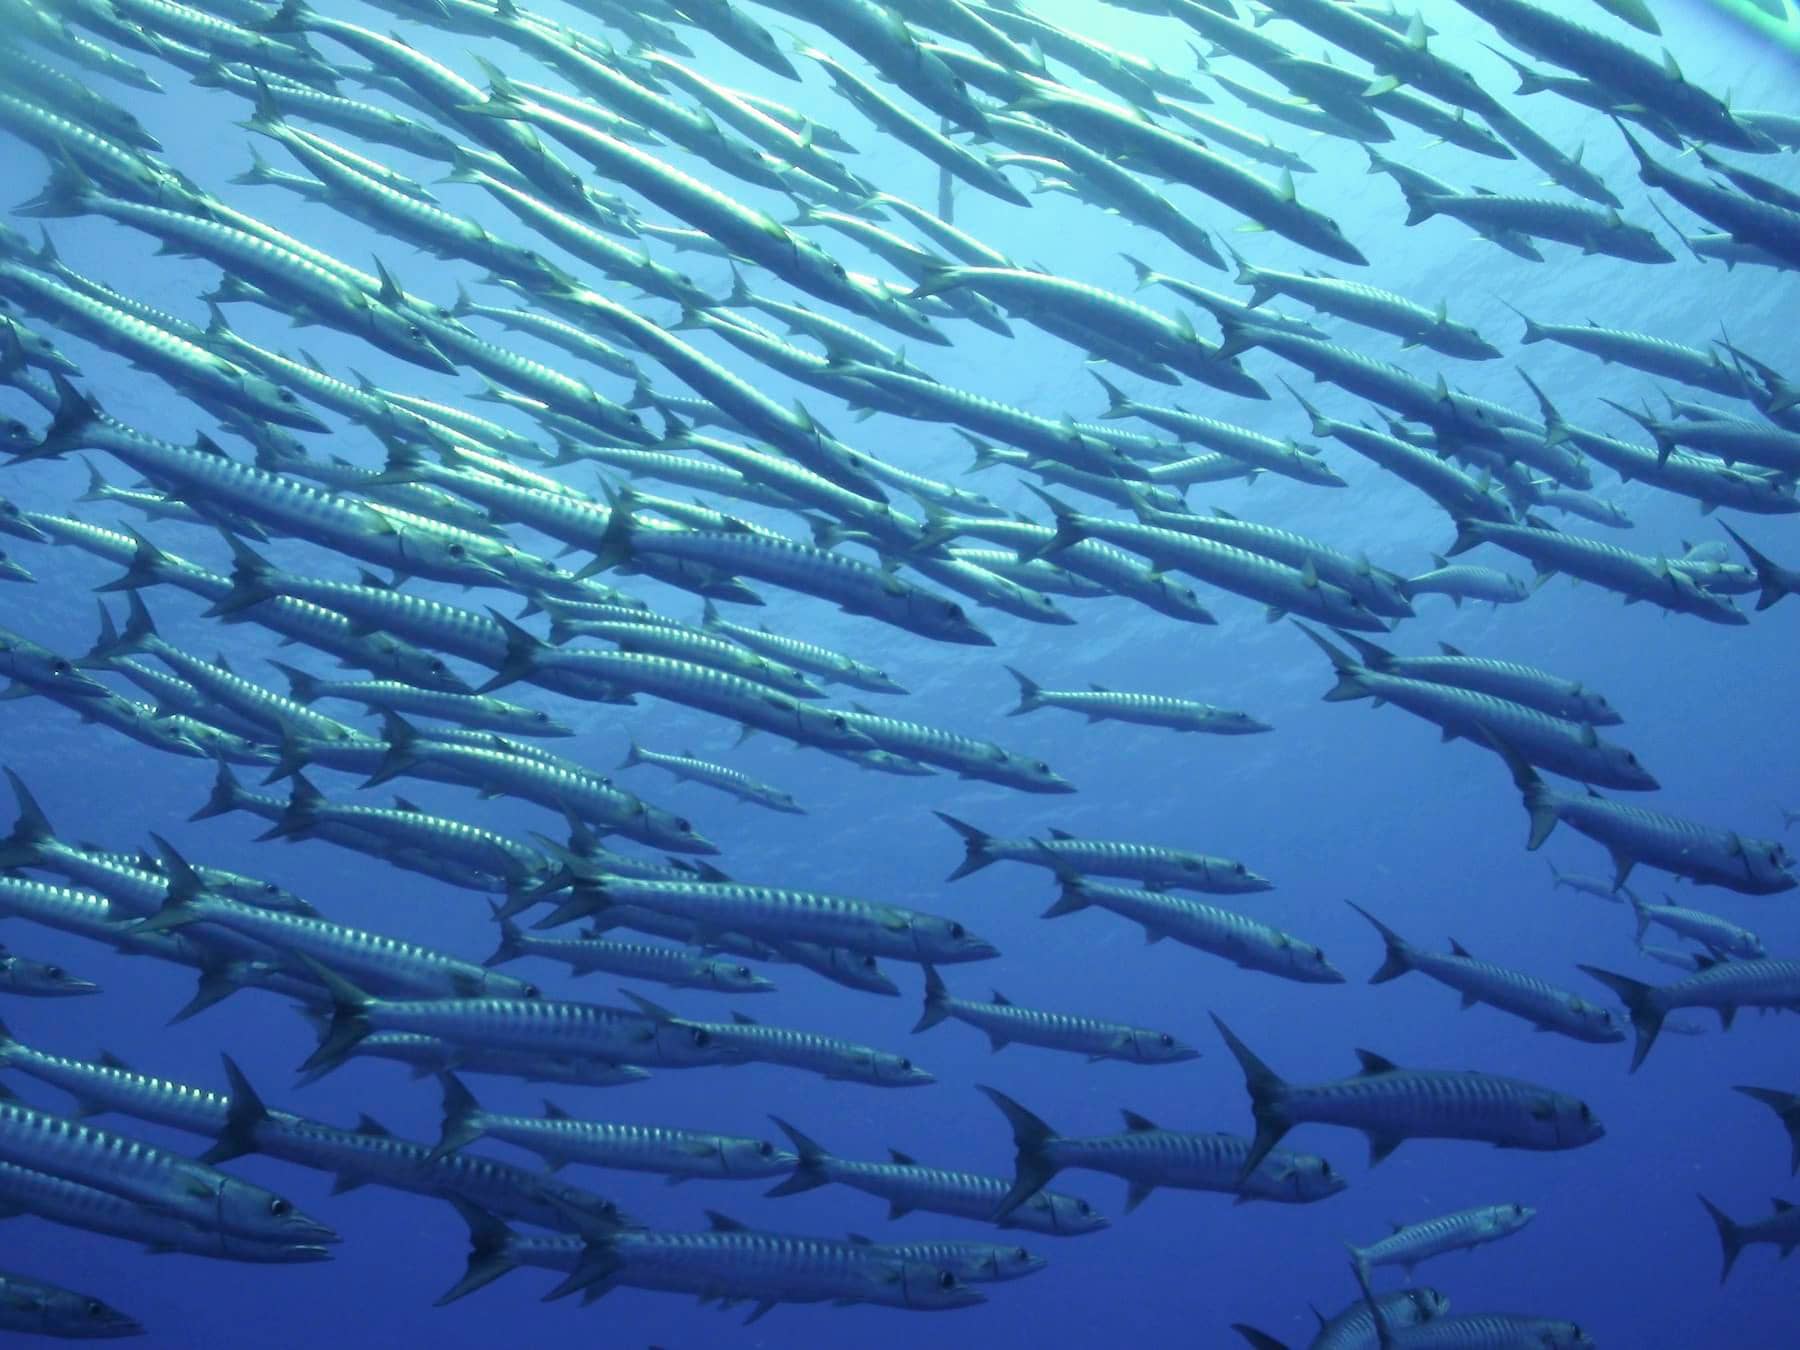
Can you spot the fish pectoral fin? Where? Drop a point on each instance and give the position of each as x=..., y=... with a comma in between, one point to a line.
x=1380, y=1145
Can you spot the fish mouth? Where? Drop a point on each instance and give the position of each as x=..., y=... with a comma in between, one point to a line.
x=71, y=986
x=304, y=1232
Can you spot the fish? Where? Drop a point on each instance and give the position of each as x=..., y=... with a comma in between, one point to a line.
x=1538, y=1002
x=1005, y=1022
x=1464, y=1230
x=1147, y=1156
x=1778, y=1229
x=1723, y=986
x=36, y=1307
x=1098, y=704
x=1156, y=867
x=1391, y=1104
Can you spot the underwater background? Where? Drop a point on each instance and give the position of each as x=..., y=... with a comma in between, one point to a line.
x=1337, y=802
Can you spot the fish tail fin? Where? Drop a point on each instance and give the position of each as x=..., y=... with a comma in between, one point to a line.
x=1642, y=916
x=1418, y=210
x=1399, y=958
x=227, y=795
x=1259, y=1340
x=245, y=1112
x=1785, y=1105
x=1349, y=684
x=1731, y=1237
x=30, y=832
x=462, y=1117
x=1030, y=693
x=512, y=941
x=975, y=844
x=614, y=545
x=1033, y=1167
x=809, y=1171
x=1774, y=579
x=634, y=754
x=349, y=1020
x=1144, y=274
x=302, y=688
x=290, y=18
x=1266, y=1090
x=1640, y=1000
x=65, y=194
x=1117, y=404
x=1540, y=800
x=490, y=1251
x=1070, y=900
x=937, y=998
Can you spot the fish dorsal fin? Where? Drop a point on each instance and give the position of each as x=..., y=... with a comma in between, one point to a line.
x=1373, y=1063
x=1448, y=650
x=1002, y=1000
x=1098, y=688
x=902, y=1159
x=1458, y=949
x=1137, y=1124
x=724, y=1223
x=367, y=1124
x=742, y=1019
x=1061, y=834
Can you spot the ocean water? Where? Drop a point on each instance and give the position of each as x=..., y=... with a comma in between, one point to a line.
x=1339, y=801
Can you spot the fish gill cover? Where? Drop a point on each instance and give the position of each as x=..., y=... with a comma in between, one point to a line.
x=456, y=448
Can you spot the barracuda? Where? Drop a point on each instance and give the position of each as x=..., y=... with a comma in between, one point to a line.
x=740, y=785
x=1147, y=1156
x=671, y=966
x=908, y=1186
x=1246, y=942
x=1005, y=1022
x=561, y=1139
x=1098, y=703
x=1545, y=1006
x=1571, y=748
x=830, y=1056
x=777, y=914
x=1391, y=1104
x=1465, y=1230
x=1158, y=868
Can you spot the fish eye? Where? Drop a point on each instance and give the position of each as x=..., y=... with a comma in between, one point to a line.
x=61, y=668
x=906, y=1064
x=414, y=332
x=1239, y=868
x=867, y=963
x=1083, y=1207
x=437, y=667
x=683, y=824
x=456, y=551
x=541, y=717
x=946, y=1280
x=1586, y=1114
x=95, y=1308
x=279, y=1207
x=55, y=972
x=702, y=1038
x=766, y=1149
x=532, y=991
x=1518, y=1210
x=1166, y=1039
x=1325, y=1168
x=838, y=721
x=742, y=970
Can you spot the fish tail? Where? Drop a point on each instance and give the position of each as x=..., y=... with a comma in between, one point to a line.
x=809, y=1172
x=30, y=832
x=1418, y=209
x=1731, y=1237
x=1033, y=1167
x=1643, y=918
x=227, y=795
x=349, y=1021
x=1399, y=958
x=1786, y=1105
x=975, y=844
x=1540, y=801
x=302, y=688
x=1071, y=899
x=1260, y=1340
x=490, y=1251
x=614, y=546
x=1030, y=693
x=462, y=1117
x=634, y=755
x=1773, y=579
x=66, y=194
x=937, y=999
x=1640, y=1001
x=1349, y=684
x=1266, y=1089
x=245, y=1112
x=512, y=941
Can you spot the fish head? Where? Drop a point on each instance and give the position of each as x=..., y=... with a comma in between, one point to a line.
x=1630, y=773
x=1006, y=1263
x=398, y=334
x=44, y=670
x=1032, y=775
x=78, y=1317
x=412, y=665
x=689, y=1043
x=676, y=832
x=1600, y=1025
x=1593, y=708
x=279, y=404
x=736, y=978
x=861, y=971
x=1564, y=1336
x=947, y=940
x=1303, y=1177
x=1239, y=724
x=1307, y=962
x=1421, y=1305
x=897, y=1071
x=251, y=1212
x=1159, y=1047
x=826, y=728
x=755, y=1158
x=21, y=976
x=12, y=571
x=1504, y=1219
x=14, y=521
x=1565, y=1122
x=920, y=1285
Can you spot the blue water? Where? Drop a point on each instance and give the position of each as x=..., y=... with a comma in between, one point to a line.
x=1341, y=801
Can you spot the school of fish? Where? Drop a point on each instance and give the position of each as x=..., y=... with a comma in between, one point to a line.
x=404, y=562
